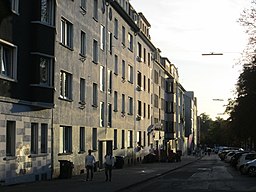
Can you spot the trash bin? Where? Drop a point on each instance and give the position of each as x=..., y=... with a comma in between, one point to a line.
x=66, y=168
x=119, y=162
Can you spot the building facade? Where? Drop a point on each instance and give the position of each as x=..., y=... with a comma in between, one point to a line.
x=82, y=75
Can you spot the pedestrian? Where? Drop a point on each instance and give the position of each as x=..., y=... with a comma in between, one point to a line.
x=109, y=163
x=89, y=163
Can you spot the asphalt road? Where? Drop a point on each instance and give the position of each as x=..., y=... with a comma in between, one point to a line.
x=208, y=174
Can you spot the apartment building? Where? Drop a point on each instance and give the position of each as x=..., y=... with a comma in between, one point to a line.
x=26, y=96
x=82, y=75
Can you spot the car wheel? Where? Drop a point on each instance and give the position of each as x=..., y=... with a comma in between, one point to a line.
x=252, y=171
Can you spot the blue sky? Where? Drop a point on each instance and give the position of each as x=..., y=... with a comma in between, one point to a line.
x=184, y=29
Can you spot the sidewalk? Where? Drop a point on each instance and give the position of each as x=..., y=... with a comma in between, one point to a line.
x=121, y=179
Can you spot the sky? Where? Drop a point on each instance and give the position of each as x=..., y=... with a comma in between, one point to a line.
x=185, y=29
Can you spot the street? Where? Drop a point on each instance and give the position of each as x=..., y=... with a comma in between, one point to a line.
x=207, y=174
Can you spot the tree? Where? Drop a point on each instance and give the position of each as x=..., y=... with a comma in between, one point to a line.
x=242, y=109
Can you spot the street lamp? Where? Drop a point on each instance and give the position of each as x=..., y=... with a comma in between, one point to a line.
x=212, y=53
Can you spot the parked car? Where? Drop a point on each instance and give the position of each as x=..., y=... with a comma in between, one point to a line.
x=250, y=168
x=223, y=154
x=229, y=155
x=244, y=159
x=234, y=159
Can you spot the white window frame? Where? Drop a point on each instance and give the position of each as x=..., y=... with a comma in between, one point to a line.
x=110, y=42
x=65, y=139
x=130, y=102
x=130, y=73
x=8, y=68
x=65, y=85
x=102, y=114
x=66, y=33
x=102, y=78
x=123, y=35
x=130, y=41
x=102, y=37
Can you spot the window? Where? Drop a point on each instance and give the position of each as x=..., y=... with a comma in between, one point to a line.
x=116, y=28
x=139, y=108
x=115, y=139
x=123, y=103
x=148, y=111
x=95, y=54
x=83, y=4
x=144, y=110
x=109, y=114
x=116, y=65
x=130, y=73
x=102, y=114
x=148, y=85
x=123, y=35
x=149, y=58
x=123, y=69
x=110, y=42
x=82, y=90
x=66, y=33
x=130, y=103
x=102, y=78
x=169, y=87
x=45, y=71
x=82, y=139
x=47, y=11
x=65, y=85
x=139, y=54
x=10, y=138
x=139, y=137
x=144, y=82
x=156, y=77
x=144, y=138
x=139, y=79
x=115, y=101
x=34, y=138
x=65, y=139
x=95, y=9
x=130, y=41
x=95, y=95
x=145, y=56
x=130, y=139
x=83, y=44
x=94, y=138
x=155, y=100
x=123, y=139
x=102, y=37
x=44, y=138
x=15, y=6
x=8, y=60
x=109, y=81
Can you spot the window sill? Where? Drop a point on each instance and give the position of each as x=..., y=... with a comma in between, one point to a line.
x=81, y=152
x=38, y=155
x=8, y=158
x=65, y=99
x=95, y=106
x=95, y=62
x=63, y=154
x=70, y=48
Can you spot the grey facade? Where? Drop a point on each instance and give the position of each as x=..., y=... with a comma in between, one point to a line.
x=87, y=77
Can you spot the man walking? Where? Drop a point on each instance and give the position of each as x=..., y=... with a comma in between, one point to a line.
x=89, y=163
x=109, y=163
